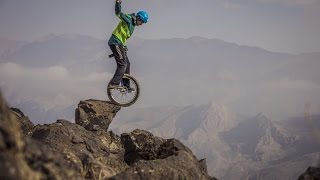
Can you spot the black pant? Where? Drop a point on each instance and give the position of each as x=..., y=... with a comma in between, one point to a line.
x=123, y=64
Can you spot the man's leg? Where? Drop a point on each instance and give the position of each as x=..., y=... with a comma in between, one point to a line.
x=119, y=55
x=126, y=82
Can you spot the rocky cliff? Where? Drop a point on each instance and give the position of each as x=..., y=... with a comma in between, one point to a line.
x=87, y=150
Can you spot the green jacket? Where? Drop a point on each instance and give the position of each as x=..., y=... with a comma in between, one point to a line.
x=124, y=29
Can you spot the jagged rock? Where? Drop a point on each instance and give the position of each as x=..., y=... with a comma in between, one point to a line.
x=64, y=150
x=24, y=121
x=94, y=153
x=152, y=157
x=312, y=173
x=94, y=114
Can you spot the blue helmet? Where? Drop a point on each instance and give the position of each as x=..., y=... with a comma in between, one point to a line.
x=143, y=16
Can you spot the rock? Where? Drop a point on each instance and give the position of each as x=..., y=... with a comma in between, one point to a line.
x=23, y=158
x=139, y=145
x=77, y=139
x=151, y=157
x=24, y=121
x=11, y=146
x=312, y=173
x=94, y=115
x=203, y=165
x=86, y=150
x=17, y=112
x=51, y=164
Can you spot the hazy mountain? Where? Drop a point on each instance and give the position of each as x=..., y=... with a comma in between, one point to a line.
x=303, y=66
x=77, y=53
x=54, y=50
x=208, y=55
x=204, y=58
x=213, y=117
x=45, y=115
x=306, y=131
x=259, y=138
x=197, y=54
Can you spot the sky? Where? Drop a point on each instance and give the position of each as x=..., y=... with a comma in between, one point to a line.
x=290, y=26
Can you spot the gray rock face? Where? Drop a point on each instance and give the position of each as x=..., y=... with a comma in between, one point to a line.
x=86, y=150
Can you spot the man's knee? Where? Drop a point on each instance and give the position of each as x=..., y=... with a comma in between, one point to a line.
x=122, y=66
x=122, y=62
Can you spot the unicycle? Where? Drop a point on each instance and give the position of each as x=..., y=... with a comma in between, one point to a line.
x=122, y=95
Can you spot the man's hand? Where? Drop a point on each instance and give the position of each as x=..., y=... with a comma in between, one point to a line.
x=118, y=1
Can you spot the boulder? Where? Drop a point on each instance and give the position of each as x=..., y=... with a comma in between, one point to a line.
x=95, y=114
x=152, y=157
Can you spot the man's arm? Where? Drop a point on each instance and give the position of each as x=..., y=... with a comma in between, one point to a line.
x=118, y=7
x=120, y=14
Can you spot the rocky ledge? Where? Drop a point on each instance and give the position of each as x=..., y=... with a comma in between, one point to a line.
x=87, y=150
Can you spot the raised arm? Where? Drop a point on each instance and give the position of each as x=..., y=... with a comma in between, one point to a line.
x=120, y=14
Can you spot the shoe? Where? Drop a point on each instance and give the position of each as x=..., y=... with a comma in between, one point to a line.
x=130, y=89
x=114, y=86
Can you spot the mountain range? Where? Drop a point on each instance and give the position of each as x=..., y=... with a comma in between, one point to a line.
x=177, y=71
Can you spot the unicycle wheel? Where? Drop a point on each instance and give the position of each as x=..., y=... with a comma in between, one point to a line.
x=124, y=96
